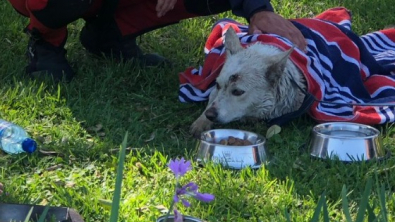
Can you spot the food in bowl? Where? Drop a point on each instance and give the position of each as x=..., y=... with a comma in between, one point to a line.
x=233, y=141
x=224, y=146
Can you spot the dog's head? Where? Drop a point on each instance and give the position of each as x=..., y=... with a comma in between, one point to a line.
x=249, y=80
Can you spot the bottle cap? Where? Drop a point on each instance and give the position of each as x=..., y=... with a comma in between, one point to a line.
x=29, y=145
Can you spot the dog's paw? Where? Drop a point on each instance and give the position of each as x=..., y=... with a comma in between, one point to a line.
x=200, y=125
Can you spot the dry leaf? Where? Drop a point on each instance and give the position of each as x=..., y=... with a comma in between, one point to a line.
x=96, y=128
x=127, y=149
x=152, y=137
x=173, y=137
x=51, y=168
x=43, y=202
x=71, y=159
x=273, y=130
x=99, y=127
x=162, y=208
x=64, y=140
x=48, y=152
x=142, y=108
x=69, y=184
x=298, y=164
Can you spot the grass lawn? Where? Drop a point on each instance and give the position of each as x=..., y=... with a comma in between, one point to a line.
x=82, y=124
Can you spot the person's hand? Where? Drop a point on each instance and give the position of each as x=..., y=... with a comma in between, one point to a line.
x=163, y=6
x=270, y=22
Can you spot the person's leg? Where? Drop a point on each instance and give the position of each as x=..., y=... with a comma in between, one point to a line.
x=106, y=36
x=47, y=29
x=135, y=17
x=207, y=7
x=140, y=18
x=145, y=19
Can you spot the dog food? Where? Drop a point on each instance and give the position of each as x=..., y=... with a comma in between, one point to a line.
x=233, y=141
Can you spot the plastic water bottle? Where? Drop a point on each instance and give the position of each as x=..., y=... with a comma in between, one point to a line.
x=14, y=139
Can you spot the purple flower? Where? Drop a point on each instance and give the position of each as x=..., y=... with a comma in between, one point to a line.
x=191, y=190
x=179, y=167
x=205, y=197
x=177, y=216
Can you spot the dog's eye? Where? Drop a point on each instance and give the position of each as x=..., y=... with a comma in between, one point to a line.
x=218, y=87
x=237, y=92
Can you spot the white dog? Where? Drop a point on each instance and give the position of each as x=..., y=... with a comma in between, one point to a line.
x=254, y=82
x=341, y=76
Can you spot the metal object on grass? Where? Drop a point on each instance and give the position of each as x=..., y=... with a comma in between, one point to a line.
x=346, y=142
x=171, y=219
x=232, y=156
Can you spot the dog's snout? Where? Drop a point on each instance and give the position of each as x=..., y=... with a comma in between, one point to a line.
x=211, y=113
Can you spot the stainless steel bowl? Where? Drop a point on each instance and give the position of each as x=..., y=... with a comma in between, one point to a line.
x=230, y=156
x=185, y=219
x=346, y=142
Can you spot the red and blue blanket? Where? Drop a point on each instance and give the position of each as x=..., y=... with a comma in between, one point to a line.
x=351, y=77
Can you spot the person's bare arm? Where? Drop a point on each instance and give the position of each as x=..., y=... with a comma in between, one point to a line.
x=163, y=6
x=270, y=22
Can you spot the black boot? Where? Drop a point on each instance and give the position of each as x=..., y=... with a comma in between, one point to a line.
x=106, y=40
x=47, y=60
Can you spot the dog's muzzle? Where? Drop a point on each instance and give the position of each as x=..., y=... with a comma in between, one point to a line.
x=211, y=114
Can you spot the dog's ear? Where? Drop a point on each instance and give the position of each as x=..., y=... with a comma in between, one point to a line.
x=278, y=63
x=232, y=42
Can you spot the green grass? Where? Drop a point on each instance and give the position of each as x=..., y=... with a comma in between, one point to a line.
x=83, y=123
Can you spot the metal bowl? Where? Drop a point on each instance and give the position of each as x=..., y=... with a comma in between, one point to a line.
x=231, y=156
x=185, y=219
x=346, y=142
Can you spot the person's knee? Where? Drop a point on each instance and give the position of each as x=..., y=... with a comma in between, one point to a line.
x=208, y=7
x=58, y=13
x=35, y=5
x=20, y=7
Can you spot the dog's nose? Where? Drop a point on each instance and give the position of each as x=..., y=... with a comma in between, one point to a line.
x=211, y=113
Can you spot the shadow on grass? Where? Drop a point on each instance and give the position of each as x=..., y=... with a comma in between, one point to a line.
x=311, y=176
x=84, y=122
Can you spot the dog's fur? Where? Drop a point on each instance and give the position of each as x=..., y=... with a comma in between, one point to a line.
x=254, y=82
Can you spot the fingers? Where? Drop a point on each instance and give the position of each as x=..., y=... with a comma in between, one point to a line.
x=163, y=6
x=252, y=30
x=269, y=22
x=296, y=37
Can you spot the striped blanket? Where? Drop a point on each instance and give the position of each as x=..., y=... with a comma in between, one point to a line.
x=351, y=77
